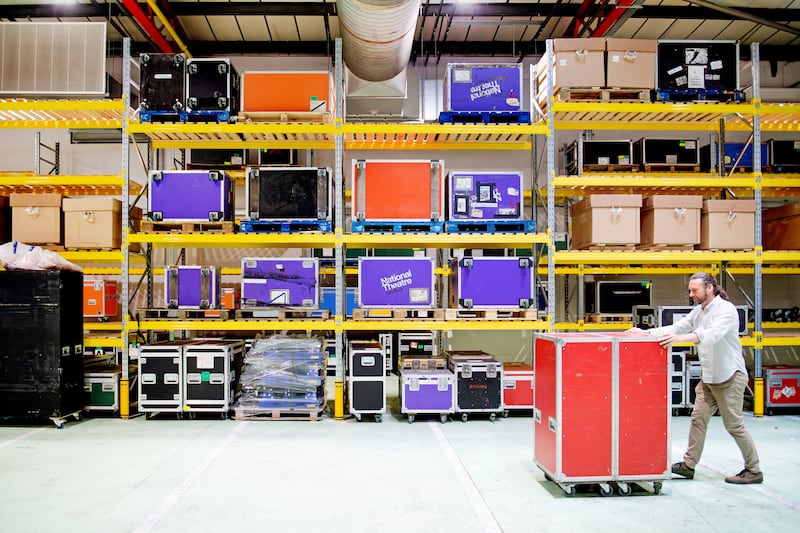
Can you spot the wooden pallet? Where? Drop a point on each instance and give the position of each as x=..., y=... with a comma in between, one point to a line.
x=491, y=314
x=616, y=169
x=398, y=314
x=671, y=168
x=188, y=227
x=284, y=116
x=258, y=413
x=600, y=247
x=186, y=314
x=608, y=318
x=282, y=314
x=594, y=94
x=666, y=247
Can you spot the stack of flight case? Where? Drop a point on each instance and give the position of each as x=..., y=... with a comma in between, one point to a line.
x=41, y=344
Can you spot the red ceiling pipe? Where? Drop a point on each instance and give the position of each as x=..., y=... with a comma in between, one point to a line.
x=148, y=26
x=608, y=22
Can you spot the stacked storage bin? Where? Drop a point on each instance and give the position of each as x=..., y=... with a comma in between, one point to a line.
x=283, y=377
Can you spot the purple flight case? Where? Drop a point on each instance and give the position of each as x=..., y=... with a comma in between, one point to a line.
x=484, y=196
x=427, y=391
x=191, y=287
x=483, y=87
x=395, y=282
x=284, y=282
x=493, y=282
x=189, y=196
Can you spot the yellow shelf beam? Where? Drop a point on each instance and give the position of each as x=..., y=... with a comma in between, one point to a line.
x=103, y=342
x=234, y=240
x=102, y=326
x=443, y=325
x=233, y=325
x=580, y=257
x=70, y=185
x=49, y=114
x=444, y=240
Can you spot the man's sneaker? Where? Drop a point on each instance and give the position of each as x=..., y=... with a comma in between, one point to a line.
x=745, y=477
x=682, y=470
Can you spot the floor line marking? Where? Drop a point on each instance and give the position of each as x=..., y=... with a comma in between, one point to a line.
x=20, y=437
x=167, y=503
x=755, y=487
x=479, y=505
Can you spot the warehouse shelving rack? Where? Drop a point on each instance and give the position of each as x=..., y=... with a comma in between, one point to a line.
x=25, y=114
x=340, y=136
x=752, y=117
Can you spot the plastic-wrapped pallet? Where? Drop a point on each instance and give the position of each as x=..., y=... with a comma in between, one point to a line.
x=283, y=375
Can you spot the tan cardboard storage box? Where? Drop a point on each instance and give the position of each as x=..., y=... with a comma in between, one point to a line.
x=728, y=225
x=611, y=219
x=631, y=63
x=671, y=220
x=92, y=223
x=782, y=227
x=580, y=62
x=36, y=218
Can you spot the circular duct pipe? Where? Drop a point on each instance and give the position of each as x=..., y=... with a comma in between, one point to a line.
x=377, y=36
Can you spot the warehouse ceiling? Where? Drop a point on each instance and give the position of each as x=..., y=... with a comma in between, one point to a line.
x=516, y=28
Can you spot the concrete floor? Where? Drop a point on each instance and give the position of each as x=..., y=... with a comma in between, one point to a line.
x=163, y=474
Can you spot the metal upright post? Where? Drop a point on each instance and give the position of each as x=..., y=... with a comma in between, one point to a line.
x=758, y=379
x=338, y=229
x=551, y=174
x=124, y=398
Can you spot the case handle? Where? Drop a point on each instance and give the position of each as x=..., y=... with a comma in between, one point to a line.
x=630, y=55
x=731, y=216
x=680, y=212
x=32, y=211
x=88, y=216
x=616, y=212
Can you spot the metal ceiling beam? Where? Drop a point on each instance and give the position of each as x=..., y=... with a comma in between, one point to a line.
x=617, y=14
x=740, y=14
x=147, y=25
x=447, y=48
x=451, y=9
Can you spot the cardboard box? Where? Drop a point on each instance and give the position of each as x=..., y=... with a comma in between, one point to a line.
x=580, y=62
x=728, y=225
x=92, y=223
x=631, y=63
x=782, y=227
x=36, y=218
x=611, y=219
x=671, y=220
x=278, y=91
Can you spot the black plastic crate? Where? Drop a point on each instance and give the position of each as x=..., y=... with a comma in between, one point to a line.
x=784, y=156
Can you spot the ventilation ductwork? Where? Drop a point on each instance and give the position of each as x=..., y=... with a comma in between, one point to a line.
x=377, y=36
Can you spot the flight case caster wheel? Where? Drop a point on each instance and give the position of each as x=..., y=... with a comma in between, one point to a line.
x=464, y=417
x=624, y=489
x=492, y=417
x=378, y=418
x=410, y=419
x=443, y=418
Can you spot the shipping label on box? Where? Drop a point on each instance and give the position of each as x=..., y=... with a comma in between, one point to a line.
x=395, y=282
x=292, y=282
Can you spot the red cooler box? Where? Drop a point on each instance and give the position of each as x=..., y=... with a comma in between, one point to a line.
x=602, y=409
x=517, y=386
